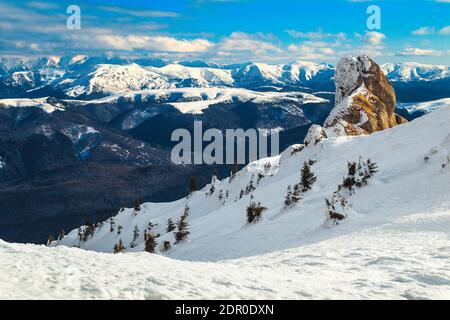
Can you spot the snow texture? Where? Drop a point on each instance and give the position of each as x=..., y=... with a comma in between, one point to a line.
x=394, y=243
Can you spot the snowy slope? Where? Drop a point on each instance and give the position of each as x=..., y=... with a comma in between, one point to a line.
x=393, y=245
x=41, y=103
x=111, y=79
x=194, y=100
x=424, y=107
x=297, y=73
x=404, y=258
x=218, y=227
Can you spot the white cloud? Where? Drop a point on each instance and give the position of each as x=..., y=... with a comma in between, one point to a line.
x=419, y=52
x=445, y=30
x=373, y=38
x=424, y=31
x=42, y=5
x=240, y=41
x=154, y=43
x=140, y=13
x=310, y=50
x=316, y=35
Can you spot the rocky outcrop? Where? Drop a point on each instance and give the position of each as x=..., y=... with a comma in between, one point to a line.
x=365, y=100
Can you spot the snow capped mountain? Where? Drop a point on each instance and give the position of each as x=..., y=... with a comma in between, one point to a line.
x=110, y=79
x=93, y=76
x=257, y=74
x=194, y=100
x=46, y=104
x=412, y=71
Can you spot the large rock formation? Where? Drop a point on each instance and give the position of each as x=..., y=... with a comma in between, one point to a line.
x=365, y=101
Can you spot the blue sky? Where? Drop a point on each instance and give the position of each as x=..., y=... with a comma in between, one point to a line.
x=228, y=31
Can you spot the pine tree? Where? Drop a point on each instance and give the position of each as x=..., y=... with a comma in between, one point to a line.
x=212, y=188
x=62, y=234
x=296, y=197
x=111, y=224
x=192, y=184
x=350, y=181
x=50, y=240
x=170, y=225
x=336, y=207
x=288, y=198
x=254, y=211
x=260, y=176
x=182, y=226
x=166, y=246
x=137, y=206
x=135, y=236
x=119, y=229
x=150, y=243
x=307, y=177
x=220, y=195
x=250, y=187
x=371, y=169
x=118, y=247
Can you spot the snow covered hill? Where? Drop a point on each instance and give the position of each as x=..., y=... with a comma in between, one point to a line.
x=194, y=100
x=424, y=107
x=404, y=258
x=413, y=179
x=392, y=243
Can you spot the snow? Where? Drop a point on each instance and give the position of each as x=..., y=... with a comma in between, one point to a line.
x=3, y=163
x=425, y=107
x=335, y=123
x=412, y=71
x=393, y=245
x=315, y=134
x=405, y=258
x=84, y=139
x=399, y=153
x=27, y=103
x=195, y=100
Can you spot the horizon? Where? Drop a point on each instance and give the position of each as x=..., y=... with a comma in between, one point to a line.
x=131, y=60
x=256, y=31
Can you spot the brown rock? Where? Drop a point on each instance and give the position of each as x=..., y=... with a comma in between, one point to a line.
x=365, y=99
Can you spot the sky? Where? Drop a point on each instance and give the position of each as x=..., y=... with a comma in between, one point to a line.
x=229, y=31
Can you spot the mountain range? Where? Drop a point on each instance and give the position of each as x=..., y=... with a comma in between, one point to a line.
x=82, y=76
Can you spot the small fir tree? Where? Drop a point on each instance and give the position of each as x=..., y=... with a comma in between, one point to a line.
x=182, y=232
x=119, y=247
x=192, y=184
x=150, y=243
x=170, y=225
x=307, y=177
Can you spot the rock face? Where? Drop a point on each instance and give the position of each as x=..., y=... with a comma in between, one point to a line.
x=365, y=100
